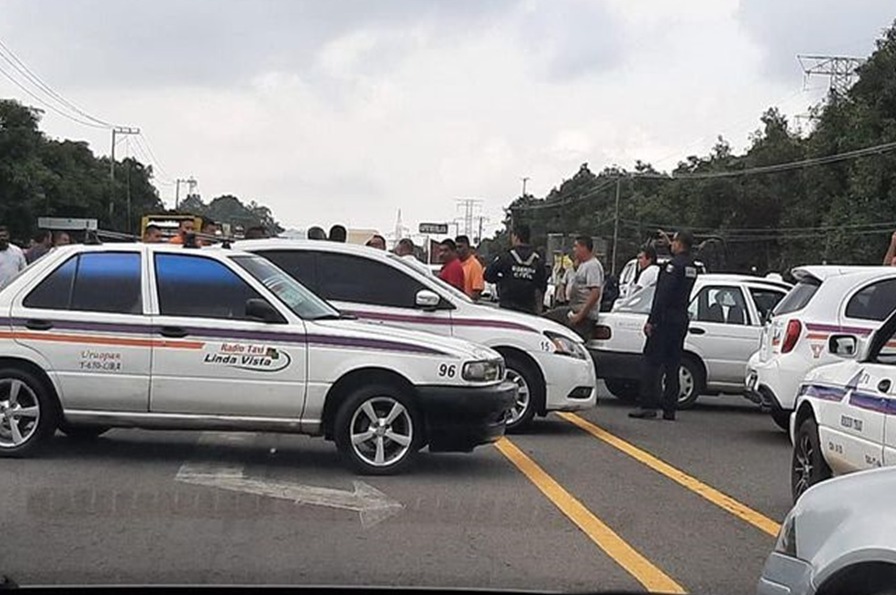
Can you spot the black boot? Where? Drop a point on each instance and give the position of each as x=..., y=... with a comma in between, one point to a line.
x=643, y=413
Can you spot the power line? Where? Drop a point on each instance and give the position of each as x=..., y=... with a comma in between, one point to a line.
x=44, y=103
x=550, y=205
x=144, y=140
x=886, y=225
x=10, y=57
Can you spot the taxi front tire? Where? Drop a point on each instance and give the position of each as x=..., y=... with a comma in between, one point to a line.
x=808, y=466
x=378, y=430
x=28, y=413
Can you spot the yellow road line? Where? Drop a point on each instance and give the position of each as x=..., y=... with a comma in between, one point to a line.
x=605, y=538
x=723, y=501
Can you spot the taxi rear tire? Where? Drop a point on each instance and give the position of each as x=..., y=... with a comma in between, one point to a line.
x=807, y=466
x=378, y=429
x=28, y=413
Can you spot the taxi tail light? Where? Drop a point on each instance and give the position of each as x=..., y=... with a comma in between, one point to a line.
x=791, y=335
x=602, y=332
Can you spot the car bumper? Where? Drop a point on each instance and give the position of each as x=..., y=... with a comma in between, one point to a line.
x=617, y=365
x=570, y=383
x=770, y=385
x=783, y=575
x=460, y=418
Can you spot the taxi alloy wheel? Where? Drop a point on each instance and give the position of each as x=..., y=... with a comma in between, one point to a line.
x=523, y=410
x=808, y=466
x=378, y=430
x=26, y=414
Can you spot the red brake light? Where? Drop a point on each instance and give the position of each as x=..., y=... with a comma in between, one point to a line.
x=794, y=328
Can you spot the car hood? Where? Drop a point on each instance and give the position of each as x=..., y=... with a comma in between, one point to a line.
x=391, y=335
x=518, y=320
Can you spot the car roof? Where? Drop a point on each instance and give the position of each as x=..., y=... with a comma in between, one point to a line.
x=823, y=272
x=735, y=278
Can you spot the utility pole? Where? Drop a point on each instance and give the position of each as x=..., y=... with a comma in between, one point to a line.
x=115, y=131
x=525, y=179
x=616, y=226
x=191, y=184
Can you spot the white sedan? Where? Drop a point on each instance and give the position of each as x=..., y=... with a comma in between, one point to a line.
x=726, y=312
x=844, y=414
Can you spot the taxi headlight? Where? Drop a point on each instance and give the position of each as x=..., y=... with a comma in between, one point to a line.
x=566, y=346
x=483, y=371
x=786, y=543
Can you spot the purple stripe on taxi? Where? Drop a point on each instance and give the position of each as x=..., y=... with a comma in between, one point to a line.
x=412, y=319
x=870, y=402
x=825, y=393
x=234, y=334
x=834, y=328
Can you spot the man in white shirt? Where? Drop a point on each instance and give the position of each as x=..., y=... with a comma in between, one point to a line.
x=405, y=248
x=648, y=270
x=12, y=259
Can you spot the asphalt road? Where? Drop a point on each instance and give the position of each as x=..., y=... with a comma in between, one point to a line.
x=588, y=502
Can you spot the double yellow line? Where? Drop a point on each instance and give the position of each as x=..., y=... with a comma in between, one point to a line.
x=645, y=572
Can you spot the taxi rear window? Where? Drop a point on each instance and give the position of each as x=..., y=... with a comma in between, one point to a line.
x=798, y=297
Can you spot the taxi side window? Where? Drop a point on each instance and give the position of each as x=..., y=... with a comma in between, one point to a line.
x=874, y=302
x=349, y=278
x=93, y=282
x=298, y=263
x=197, y=286
x=765, y=300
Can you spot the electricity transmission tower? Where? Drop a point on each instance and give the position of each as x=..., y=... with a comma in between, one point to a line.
x=471, y=207
x=840, y=69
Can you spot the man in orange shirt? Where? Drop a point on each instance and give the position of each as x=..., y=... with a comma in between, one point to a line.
x=473, y=280
x=187, y=226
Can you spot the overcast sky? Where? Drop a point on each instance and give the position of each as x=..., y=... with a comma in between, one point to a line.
x=347, y=110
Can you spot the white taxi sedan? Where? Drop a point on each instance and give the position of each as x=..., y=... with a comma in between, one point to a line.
x=547, y=361
x=726, y=313
x=844, y=419
x=167, y=337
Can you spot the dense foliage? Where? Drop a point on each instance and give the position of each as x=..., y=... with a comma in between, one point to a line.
x=837, y=213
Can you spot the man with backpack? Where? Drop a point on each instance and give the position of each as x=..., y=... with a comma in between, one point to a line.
x=519, y=274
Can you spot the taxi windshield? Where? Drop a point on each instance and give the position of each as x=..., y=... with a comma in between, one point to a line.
x=296, y=296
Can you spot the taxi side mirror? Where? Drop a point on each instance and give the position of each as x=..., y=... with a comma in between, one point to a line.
x=262, y=311
x=845, y=346
x=427, y=300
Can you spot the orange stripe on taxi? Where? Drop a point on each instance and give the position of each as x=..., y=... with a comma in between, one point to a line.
x=101, y=340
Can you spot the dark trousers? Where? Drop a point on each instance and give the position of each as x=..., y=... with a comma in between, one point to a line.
x=662, y=355
x=585, y=329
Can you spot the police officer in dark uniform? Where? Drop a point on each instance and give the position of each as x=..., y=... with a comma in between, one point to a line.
x=666, y=329
x=519, y=274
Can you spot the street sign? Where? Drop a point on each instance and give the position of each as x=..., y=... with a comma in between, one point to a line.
x=60, y=224
x=434, y=228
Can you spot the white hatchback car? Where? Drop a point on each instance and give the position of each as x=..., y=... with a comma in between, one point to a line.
x=167, y=337
x=839, y=539
x=548, y=362
x=826, y=300
x=844, y=419
x=726, y=313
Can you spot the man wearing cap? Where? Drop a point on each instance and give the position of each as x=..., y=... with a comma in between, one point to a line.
x=666, y=328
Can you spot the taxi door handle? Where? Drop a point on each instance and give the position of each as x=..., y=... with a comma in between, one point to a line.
x=38, y=325
x=696, y=330
x=884, y=385
x=175, y=332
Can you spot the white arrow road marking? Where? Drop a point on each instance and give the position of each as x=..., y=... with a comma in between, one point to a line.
x=372, y=505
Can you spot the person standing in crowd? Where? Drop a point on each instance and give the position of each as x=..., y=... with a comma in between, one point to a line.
x=666, y=329
x=62, y=239
x=648, y=270
x=185, y=227
x=12, y=259
x=585, y=287
x=210, y=230
x=152, y=234
x=43, y=241
x=406, y=250
x=316, y=233
x=376, y=241
x=519, y=274
x=256, y=232
x=338, y=233
x=452, y=270
x=474, y=282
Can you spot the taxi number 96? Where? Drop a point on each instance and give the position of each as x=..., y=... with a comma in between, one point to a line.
x=447, y=370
